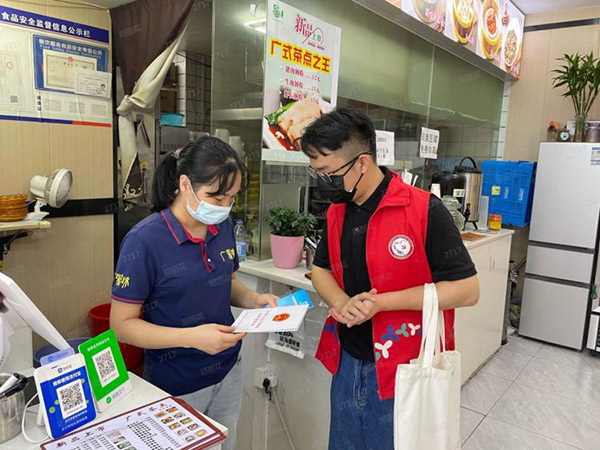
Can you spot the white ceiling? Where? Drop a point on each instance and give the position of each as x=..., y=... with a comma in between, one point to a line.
x=540, y=6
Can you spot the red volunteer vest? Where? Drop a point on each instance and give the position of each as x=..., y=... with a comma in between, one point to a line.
x=396, y=260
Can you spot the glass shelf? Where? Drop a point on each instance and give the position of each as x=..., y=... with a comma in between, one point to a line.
x=283, y=156
x=237, y=114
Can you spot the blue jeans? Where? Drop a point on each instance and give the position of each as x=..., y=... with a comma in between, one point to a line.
x=359, y=419
x=221, y=402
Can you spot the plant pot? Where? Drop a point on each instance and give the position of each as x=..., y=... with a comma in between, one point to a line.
x=579, y=128
x=286, y=250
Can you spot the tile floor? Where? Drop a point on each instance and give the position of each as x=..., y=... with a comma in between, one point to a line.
x=533, y=396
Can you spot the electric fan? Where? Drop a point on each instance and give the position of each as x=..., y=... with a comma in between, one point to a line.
x=50, y=190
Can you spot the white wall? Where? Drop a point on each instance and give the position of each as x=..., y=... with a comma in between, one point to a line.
x=302, y=390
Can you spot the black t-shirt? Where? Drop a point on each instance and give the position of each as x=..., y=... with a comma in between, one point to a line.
x=443, y=239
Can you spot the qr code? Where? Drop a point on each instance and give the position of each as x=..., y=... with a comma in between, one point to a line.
x=105, y=366
x=71, y=398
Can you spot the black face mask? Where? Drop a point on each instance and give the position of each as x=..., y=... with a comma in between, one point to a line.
x=335, y=191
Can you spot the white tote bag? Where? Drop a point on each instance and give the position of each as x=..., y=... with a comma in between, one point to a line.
x=427, y=392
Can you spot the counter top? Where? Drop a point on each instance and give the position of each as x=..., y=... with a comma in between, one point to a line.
x=292, y=277
x=142, y=394
x=297, y=279
x=488, y=237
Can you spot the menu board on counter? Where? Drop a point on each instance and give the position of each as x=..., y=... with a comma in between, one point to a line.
x=493, y=29
x=301, y=74
x=169, y=423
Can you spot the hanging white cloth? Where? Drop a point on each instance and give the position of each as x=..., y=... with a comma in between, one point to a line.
x=142, y=99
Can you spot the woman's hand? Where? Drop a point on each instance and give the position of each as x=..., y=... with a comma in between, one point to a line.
x=242, y=297
x=266, y=299
x=212, y=338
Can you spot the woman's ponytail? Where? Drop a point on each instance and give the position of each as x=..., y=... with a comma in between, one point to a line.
x=165, y=183
x=204, y=161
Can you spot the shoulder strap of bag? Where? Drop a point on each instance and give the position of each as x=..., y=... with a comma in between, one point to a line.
x=430, y=325
x=441, y=326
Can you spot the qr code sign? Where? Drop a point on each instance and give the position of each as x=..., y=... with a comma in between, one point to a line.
x=105, y=366
x=71, y=398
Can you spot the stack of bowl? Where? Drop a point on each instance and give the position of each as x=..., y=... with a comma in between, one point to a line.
x=13, y=207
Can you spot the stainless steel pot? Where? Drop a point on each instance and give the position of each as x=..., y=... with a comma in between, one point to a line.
x=11, y=411
x=473, y=184
x=310, y=256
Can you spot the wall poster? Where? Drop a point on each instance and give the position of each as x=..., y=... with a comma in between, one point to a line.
x=46, y=65
x=301, y=74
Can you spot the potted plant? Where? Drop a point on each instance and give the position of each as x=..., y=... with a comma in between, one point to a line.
x=581, y=76
x=288, y=230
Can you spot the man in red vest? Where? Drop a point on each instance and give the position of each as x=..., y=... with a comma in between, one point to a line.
x=382, y=241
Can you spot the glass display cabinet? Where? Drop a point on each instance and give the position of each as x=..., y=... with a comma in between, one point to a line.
x=399, y=80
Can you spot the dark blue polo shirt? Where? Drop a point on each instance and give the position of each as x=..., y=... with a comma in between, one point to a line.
x=180, y=282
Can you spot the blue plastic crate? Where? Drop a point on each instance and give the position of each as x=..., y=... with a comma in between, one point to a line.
x=509, y=185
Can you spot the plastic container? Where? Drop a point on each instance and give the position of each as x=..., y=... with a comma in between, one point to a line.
x=49, y=349
x=100, y=315
x=171, y=119
x=286, y=251
x=495, y=222
x=509, y=185
x=240, y=235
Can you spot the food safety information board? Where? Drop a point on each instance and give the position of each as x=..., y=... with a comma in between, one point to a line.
x=53, y=70
x=301, y=74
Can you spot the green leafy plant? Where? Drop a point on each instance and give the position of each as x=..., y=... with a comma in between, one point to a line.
x=272, y=118
x=580, y=74
x=285, y=221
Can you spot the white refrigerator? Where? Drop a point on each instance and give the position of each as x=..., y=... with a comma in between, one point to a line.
x=562, y=257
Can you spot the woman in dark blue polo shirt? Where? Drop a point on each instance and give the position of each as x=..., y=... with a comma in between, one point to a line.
x=175, y=282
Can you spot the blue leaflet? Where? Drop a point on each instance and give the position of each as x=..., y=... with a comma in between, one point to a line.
x=295, y=298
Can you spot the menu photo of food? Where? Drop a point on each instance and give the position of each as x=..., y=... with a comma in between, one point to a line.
x=490, y=30
x=431, y=12
x=512, y=43
x=283, y=127
x=464, y=18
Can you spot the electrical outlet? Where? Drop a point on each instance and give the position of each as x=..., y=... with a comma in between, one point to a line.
x=262, y=372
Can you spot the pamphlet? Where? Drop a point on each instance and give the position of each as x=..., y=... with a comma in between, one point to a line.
x=268, y=320
x=295, y=298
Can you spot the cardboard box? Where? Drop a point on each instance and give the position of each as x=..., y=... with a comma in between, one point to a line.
x=168, y=100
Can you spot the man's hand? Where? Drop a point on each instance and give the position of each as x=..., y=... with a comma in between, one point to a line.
x=358, y=309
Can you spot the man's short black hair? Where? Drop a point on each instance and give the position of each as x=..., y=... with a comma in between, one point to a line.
x=332, y=130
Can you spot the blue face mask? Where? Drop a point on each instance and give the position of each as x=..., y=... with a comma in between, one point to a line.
x=208, y=213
